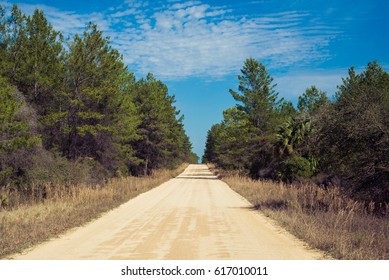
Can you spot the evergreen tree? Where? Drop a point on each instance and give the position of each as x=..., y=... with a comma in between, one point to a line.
x=286, y=110
x=13, y=44
x=43, y=69
x=235, y=140
x=354, y=133
x=259, y=102
x=257, y=97
x=212, y=145
x=3, y=40
x=163, y=142
x=83, y=103
x=312, y=100
x=294, y=145
x=97, y=83
x=125, y=122
x=17, y=137
x=243, y=139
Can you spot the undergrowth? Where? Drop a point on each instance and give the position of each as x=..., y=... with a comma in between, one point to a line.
x=323, y=217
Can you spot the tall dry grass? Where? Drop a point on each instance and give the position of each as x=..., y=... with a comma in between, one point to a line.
x=324, y=218
x=51, y=211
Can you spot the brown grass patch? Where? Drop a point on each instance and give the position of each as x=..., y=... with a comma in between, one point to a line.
x=63, y=207
x=324, y=218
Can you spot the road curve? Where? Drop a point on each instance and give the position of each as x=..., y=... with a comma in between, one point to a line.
x=194, y=216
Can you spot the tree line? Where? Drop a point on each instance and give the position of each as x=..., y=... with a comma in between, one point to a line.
x=340, y=141
x=71, y=110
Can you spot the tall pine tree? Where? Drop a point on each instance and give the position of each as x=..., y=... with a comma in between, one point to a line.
x=96, y=84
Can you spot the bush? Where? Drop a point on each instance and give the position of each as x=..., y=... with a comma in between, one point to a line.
x=50, y=167
x=295, y=167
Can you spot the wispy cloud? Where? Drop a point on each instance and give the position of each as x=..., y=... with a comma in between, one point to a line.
x=195, y=39
x=68, y=22
x=131, y=11
x=295, y=83
x=176, y=40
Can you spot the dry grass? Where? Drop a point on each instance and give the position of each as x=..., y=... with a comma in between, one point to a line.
x=37, y=219
x=324, y=218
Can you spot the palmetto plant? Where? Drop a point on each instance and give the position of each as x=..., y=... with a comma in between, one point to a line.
x=291, y=151
x=291, y=134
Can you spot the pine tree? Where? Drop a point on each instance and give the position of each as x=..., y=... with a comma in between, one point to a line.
x=163, y=142
x=13, y=42
x=212, y=145
x=257, y=99
x=125, y=122
x=43, y=68
x=16, y=134
x=235, y=140
x=3, y=40
x=354, y=133
x=312, y=100
x=97, y=85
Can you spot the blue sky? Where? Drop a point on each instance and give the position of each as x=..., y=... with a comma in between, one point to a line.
x=198, y=47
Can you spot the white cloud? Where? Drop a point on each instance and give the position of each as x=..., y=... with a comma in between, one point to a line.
x=136, y=3
x=68, y=22
x=194, y=39
x=181, y=39
x=295, y=83
x=124, y=13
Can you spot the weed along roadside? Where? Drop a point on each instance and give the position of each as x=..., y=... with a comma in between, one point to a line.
x=31, y=223
x=194, y=216
x=324, y=218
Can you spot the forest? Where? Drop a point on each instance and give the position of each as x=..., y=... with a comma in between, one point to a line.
x=71, y=112
x=340, y=141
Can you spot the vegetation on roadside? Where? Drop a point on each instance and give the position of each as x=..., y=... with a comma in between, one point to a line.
x=71, y=112
x=323, y=217
x=79, y=135
x=49, y=212
x=343, y=141
x=321, y=169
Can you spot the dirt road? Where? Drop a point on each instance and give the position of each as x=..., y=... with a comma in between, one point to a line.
x=194, y=216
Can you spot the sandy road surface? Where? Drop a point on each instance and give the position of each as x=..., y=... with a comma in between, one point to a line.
x=194, y=216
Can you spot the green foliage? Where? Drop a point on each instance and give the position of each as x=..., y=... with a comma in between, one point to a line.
x=16, y=135
x=4, y=200
x=354, y=132
x=295, y=167
x=212, y=145
x=3, y=38
x=76, y=114
x=14, y=130
x=99, y=119
x=292, y=134
x=233, y=140
x=42, y=71
x=258, y=99
x=162, y=140
x=193, y=158
x=125, y=127
x=312, y=100
x=245, y=135
x=52, y=168
x=347, y=138
x=292, y=157
x=285, y=111
x=13, y=41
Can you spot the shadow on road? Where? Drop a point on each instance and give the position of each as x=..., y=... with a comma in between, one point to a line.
x=198, y=177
